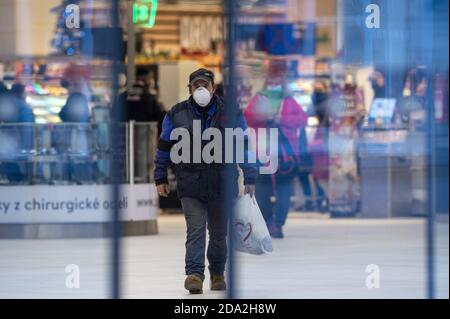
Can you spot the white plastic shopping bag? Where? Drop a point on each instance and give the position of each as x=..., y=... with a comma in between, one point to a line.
x=250, y=232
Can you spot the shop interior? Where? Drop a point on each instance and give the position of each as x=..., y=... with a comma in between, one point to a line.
x=192, y=34
x=384, y=178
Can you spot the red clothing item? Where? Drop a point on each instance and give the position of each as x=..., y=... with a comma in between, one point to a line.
x=288, y=118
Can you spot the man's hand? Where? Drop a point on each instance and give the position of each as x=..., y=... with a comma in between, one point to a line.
x=163, y=190
x=249, y=189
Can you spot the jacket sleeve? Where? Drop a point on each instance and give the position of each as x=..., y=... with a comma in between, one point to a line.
x=162, y=159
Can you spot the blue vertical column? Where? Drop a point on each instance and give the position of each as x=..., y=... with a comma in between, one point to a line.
x=115, y=141
x=425, y=55
x=230, y=104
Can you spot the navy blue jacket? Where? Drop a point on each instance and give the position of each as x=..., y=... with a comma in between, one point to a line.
x=162, y=160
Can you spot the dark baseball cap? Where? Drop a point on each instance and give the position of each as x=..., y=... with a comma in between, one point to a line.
x=201, y=74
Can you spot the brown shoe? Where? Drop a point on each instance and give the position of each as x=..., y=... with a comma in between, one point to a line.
x=218, y=282
x=194, y=284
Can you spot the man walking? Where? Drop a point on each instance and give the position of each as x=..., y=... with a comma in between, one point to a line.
x=199, y=185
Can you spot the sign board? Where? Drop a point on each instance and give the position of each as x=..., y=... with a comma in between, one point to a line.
x=39, y=204
x=144, y=12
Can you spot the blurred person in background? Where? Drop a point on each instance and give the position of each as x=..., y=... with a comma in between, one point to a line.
x=13, y=109
x=76, y=79
x=26, y=113
x=138, y=104
x=319, y=145
x=304, y=171
x=22, y=111
x=273, y=108
x=319, y=99
x=76, y=111
x=378, y=82
x=414, y=102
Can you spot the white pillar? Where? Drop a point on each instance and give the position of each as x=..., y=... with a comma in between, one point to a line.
x=27, y=27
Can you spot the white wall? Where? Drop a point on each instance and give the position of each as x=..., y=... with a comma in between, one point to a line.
x=35, y=26
x=173, y=80
x=27, y=26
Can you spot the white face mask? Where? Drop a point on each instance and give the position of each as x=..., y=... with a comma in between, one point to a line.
x=202, y=96
x=275, y=88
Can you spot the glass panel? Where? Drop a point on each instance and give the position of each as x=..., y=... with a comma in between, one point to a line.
x=439, y=149
x=56, y=92
x=357, y=91
x=185, y=36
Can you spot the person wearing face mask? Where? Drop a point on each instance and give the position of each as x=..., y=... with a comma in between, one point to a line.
x=199, y=185
x=272, y=107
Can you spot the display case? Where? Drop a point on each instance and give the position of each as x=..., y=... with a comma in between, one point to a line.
x=59, y=179
x=44, y=90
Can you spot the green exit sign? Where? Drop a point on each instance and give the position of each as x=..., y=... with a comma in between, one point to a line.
x=144, y=12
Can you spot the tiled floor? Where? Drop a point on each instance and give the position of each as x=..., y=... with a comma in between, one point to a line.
x=319, y=258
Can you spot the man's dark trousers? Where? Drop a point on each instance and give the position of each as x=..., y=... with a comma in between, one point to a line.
x=200, y=215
